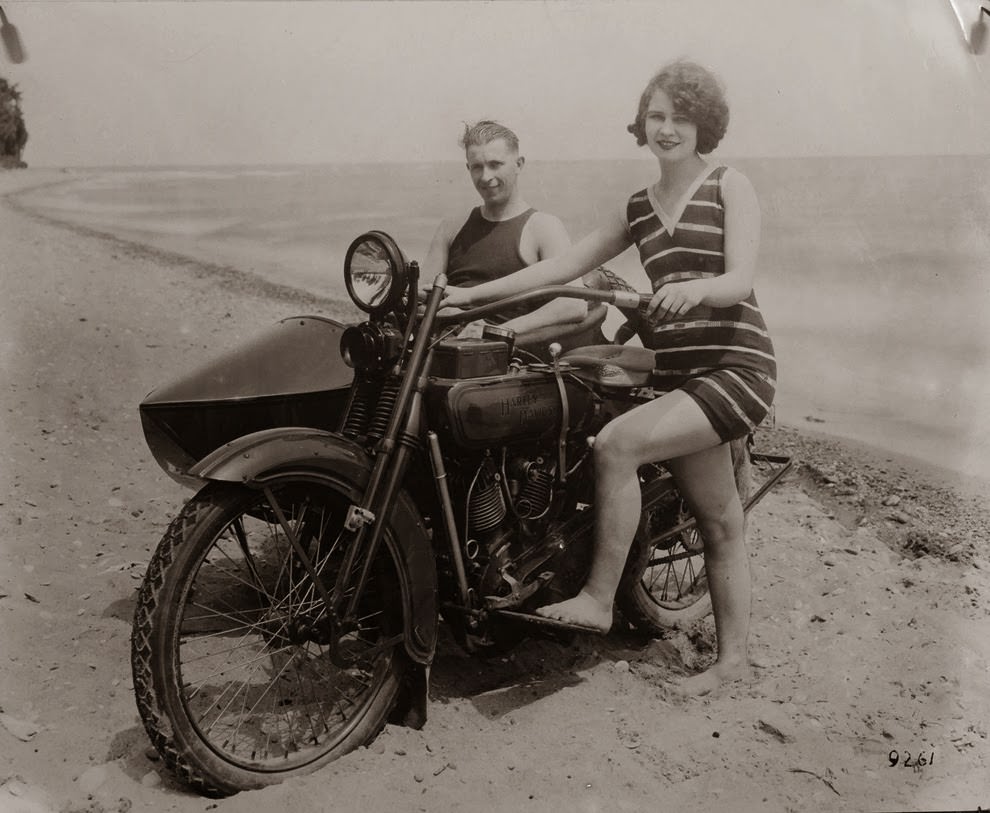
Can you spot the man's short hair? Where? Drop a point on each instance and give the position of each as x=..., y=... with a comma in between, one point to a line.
x=481, y=133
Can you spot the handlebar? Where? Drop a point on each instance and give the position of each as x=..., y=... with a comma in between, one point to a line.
x=626, y=300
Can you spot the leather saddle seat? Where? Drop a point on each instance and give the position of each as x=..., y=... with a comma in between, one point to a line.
x=612, y=365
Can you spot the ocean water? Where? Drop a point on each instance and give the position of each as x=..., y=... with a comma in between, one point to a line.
x=874, y=272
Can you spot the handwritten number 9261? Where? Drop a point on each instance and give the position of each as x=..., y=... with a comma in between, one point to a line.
x=907, y=760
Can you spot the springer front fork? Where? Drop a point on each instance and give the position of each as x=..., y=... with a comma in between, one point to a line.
x=366, y=521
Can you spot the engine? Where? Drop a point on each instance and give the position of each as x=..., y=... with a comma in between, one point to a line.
x=500, y=429
x=523, y=488
x=509, y=501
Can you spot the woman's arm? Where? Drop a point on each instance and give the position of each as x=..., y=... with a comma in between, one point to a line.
x=742, y=242
x=543, y=237
x=598, y=247
x=741, y=245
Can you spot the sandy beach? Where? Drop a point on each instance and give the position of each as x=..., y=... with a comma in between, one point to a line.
x=871, y=608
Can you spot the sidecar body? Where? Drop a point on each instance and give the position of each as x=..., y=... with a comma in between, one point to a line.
x=291, y=374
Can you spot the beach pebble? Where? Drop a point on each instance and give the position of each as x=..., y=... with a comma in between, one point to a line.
x=151, y=779
x=91, y=779
x=24, y=730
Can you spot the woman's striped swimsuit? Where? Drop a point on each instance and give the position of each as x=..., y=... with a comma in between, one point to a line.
x=722, y=357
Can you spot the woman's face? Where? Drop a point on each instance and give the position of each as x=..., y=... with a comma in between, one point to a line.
x=669, y=135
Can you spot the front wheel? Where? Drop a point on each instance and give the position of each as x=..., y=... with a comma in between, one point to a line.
x=241, y=677
x=664, y=584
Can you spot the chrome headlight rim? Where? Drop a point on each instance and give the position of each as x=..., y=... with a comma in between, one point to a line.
x=396, y=264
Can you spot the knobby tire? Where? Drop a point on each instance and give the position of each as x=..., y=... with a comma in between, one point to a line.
x=257, y=618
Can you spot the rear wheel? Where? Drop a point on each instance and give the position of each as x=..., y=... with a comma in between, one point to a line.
x=664, y=585
x=241, y=678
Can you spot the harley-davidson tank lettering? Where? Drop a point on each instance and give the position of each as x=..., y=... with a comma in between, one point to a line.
x=355, y=484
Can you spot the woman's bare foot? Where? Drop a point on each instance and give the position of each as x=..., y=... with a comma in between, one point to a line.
x=713, y=678
x=584, y=609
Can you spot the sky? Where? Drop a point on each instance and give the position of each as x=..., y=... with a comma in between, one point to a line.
x=183, y=83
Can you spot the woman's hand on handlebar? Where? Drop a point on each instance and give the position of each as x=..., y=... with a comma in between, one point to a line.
x=674, y=299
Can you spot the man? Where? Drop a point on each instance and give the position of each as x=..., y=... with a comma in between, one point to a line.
x=502, y=235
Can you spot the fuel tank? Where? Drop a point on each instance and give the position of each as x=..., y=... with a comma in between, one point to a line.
x=505, y=409
x=291, y=374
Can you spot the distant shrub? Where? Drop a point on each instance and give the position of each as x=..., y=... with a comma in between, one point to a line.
x=13, y=133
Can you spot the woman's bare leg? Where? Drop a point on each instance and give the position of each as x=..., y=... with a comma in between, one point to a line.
x=671, y=426
x=707, y=483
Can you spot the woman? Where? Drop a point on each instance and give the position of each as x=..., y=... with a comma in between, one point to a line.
x=697, y=231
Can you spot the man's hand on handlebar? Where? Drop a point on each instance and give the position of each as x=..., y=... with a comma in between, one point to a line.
x=454, y=297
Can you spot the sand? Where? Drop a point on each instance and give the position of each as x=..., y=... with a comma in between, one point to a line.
x=871, y=611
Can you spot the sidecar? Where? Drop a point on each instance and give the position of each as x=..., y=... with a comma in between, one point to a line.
x=291, y=374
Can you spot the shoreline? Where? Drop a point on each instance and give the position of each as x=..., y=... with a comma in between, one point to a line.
x=16, y=182
x=226, y=275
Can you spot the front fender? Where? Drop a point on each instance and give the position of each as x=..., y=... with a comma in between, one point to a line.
x=262, y=456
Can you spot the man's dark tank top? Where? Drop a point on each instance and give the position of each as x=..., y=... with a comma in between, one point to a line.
x=484, y=250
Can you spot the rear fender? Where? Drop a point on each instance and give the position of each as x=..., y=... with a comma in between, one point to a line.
x=263, y=456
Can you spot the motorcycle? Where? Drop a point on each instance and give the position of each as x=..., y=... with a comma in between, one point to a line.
x=356, y=484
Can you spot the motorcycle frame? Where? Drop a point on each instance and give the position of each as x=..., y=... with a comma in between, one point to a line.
x=403, y=436
x=380, y=477
x=407, y=427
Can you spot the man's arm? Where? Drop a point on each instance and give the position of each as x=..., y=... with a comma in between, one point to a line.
x=544, y=236
x=437, y=254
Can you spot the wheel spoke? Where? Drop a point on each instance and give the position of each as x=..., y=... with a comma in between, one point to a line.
x=253, y=638
x=670, y=577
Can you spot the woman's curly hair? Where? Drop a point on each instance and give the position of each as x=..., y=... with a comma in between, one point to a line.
x=696, y=94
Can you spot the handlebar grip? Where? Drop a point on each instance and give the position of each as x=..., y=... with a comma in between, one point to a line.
x=631, y=299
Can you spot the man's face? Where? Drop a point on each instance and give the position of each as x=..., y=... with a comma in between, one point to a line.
x=494, y=169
